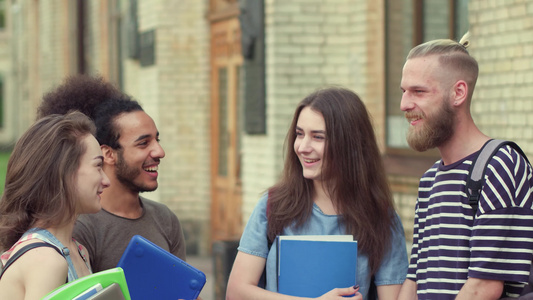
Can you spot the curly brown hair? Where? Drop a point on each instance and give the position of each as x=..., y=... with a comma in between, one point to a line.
x=96, y=98
x=79, y=92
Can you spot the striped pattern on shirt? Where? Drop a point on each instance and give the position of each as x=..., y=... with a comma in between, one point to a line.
x=450, y=245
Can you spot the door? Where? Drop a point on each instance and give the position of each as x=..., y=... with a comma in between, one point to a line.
x=226, y=61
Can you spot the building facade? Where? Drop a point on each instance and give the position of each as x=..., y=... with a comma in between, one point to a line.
x=221, y=79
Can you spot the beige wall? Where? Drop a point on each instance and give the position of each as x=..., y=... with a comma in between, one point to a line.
x=175, y=92
x=307, y=47
x=6, y=132
x=184, y=114
x=502, y=42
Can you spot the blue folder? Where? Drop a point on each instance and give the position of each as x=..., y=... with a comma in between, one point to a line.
x=154, y=273
x=311, y=268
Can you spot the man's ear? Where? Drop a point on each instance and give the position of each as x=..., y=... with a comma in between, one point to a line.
x=460, y=93
x=109, y=154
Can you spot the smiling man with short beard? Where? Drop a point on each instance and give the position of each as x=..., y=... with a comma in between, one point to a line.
x=129, y=140
x=455, y=254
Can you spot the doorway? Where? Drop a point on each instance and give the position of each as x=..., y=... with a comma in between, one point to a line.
x=226, y=62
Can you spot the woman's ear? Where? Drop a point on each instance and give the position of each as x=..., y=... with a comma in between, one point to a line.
x=109, y=154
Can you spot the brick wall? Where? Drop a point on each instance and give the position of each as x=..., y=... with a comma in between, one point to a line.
x=175, y=92
x=309, y=44
x=502, y=42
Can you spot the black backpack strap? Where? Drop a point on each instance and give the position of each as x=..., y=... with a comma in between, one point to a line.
x=23, y=250
x=477, y=171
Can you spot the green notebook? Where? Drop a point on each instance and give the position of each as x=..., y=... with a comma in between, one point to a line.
x=105, y=278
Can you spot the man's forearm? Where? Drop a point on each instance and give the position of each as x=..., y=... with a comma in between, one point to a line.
x=481, y=289
x=408, y=290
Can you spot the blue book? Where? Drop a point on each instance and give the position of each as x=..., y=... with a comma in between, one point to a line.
x=310, y=266
x=154, y=273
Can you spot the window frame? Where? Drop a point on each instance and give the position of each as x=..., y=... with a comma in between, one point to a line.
x=405, y=161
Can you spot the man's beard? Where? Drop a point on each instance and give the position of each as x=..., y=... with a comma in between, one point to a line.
x=127, y=174
x=435, y=131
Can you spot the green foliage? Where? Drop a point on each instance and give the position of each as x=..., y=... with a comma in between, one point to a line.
x=4, y=157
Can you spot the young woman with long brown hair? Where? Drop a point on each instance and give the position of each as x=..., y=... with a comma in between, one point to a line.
x=333, y=182
x=53, y=175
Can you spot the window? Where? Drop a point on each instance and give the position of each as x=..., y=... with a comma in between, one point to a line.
x=409, y=23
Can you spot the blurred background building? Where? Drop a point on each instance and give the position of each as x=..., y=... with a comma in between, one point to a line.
x=221, y=79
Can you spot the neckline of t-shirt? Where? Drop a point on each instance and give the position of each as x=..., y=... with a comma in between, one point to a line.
x=317, y=208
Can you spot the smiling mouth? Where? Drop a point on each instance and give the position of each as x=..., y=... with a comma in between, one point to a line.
x=310, y=161
x=413, y=117
x=151, y=169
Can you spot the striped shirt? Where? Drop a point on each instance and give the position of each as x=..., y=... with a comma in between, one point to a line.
x=450, y=245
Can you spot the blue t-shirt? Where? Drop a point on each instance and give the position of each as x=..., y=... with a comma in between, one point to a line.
x=254, y=241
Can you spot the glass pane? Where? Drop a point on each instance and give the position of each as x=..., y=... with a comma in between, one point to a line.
x=223, y=134
x=399, y=41
x=436, y=20
x=461, y=18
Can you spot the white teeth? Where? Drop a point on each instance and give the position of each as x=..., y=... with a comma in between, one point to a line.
x=151, y=169
x=310, y=160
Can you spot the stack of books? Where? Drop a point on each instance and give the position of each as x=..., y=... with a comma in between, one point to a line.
x=312, y=265
x=97, y=292
x=145, y=271
x=106, y=285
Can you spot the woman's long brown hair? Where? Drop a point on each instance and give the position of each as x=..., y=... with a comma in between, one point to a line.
x=353, y=174
x=41, y=173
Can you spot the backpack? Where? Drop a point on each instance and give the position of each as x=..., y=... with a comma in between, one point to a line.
x=474, y=184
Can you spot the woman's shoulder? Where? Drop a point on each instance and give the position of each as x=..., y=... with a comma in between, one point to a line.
x=263, y=200
x=30, y=237
x=32, y=269
x=39, y=270
x=38, y=258
x=261, y=206
x=40, y=252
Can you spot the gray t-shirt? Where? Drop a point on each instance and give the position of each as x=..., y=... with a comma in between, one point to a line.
x=106, y=235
